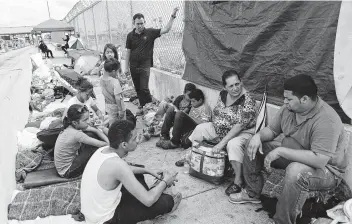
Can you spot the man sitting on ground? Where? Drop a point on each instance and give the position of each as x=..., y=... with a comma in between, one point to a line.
x=114, y=192
x=42, y=46
x=232, y=124
x=312, y=131
x=184, y=123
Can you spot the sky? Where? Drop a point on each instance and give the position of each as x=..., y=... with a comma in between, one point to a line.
x=32, y=12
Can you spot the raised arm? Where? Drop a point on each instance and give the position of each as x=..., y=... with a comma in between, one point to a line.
x=168, y=26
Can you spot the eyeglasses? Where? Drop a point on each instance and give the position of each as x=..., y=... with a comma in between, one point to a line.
x=83, y=109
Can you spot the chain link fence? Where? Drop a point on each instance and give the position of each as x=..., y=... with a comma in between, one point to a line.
x=102, y=22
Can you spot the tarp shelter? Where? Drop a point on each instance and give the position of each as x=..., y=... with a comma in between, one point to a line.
x=52, y=25
x=265, y=41
x=75, y=43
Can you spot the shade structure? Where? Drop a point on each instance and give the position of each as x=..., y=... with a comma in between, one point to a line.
x=52, y=25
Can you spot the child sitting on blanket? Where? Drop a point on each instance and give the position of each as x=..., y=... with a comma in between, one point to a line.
x=112, y=91
x=73, y=147
x=184, y=123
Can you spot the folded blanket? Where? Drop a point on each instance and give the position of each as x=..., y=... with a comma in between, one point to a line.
x=30, y=160
x=59, y=199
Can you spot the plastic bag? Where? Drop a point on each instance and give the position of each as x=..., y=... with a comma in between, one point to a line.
x=27, y=139
x=149, y=117
x=46, y=122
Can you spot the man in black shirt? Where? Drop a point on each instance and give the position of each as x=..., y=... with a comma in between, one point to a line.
x=139, y=54
x=42, y=46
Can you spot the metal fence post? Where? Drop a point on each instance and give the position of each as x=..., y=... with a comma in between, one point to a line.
x=107, y=13
x=95, y=31
x=85, y=28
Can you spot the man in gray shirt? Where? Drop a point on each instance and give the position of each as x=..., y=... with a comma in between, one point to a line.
x=312, y=131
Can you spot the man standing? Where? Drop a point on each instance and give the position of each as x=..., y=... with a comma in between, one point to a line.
x=139, y=54
x=309, y=152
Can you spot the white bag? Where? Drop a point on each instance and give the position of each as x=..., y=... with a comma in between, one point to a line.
x=27, y=139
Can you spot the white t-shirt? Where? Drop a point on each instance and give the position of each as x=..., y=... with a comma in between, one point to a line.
x=89, y=103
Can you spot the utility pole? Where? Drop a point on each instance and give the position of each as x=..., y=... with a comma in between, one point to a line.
x=47, y=4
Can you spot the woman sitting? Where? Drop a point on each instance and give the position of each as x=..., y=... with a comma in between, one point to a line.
x=184, y=123
x=84, y=97
x=233, y=122
x=73, y=147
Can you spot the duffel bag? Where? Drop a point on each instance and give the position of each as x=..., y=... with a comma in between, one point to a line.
x=206, y=165
x=49, y=136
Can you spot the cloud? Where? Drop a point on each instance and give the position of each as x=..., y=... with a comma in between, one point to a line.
x=32, y=12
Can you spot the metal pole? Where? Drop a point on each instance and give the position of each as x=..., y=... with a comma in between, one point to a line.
x=85, y=28
x=95, y=31
x=107, y=13
x=47, y=4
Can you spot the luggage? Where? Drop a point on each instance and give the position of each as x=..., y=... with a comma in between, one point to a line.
x=206, y=165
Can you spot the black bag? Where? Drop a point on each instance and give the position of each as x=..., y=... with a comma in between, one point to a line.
x=311, y=208
x=49, y=136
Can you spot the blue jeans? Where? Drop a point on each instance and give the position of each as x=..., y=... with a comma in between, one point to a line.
x=299, y=180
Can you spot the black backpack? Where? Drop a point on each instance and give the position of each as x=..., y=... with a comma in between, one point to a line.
x=311, y=208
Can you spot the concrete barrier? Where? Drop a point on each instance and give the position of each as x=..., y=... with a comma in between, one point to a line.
x=15, y=80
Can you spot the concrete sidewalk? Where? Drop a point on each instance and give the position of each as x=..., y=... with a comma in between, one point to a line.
x=202, y=202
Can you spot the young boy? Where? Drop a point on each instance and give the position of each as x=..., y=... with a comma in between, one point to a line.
x=181, y=103
x=112, y=91
x=114, y=192
x=183, y=123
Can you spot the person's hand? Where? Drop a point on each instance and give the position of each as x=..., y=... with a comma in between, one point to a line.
x=175, y=11
x=121, y=115
x=272, y=156
x=254, y=144
x=217, y=148
x=170, y=178
x=158, y=174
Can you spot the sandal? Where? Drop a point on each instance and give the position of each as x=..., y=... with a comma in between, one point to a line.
x=233, y=189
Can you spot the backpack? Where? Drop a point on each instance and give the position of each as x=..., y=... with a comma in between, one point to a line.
x=311, y=208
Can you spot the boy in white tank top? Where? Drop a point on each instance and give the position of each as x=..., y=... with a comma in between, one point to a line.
x=114, y=192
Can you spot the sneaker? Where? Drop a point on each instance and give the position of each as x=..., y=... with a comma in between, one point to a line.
x=177, y=200
x=233, y=189
x=166, y=144
x=243, y=197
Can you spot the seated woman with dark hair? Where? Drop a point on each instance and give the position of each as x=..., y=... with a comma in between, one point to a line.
x=184, y=123
x=84, y=97
x=232, y=125
x=73, y=147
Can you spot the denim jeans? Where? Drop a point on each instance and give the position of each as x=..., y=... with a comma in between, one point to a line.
x=140, y=78
x=299, y=180
x=183, y=123
x=168, y=122
x=79, y=163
